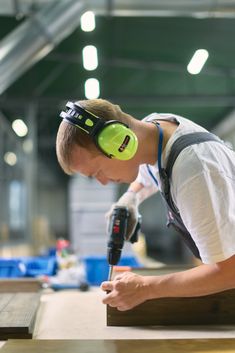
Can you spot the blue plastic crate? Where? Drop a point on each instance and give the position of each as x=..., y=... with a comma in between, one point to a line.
x=39, y=266
x=129, y=261
x=97, y=267
x=12, y=268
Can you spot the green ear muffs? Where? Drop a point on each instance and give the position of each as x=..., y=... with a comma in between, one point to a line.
x=117, y=140
x=114, y=138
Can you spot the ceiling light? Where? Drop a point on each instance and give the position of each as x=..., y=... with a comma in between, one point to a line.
x=197, y=62
x=19, y=127
x=92, y=88
x=88, y=21
x=10, y=158
x=89, y=57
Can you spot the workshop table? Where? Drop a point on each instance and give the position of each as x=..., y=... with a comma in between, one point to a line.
x=81, y=315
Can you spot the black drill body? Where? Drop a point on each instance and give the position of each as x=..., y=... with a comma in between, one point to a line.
x=118, y=231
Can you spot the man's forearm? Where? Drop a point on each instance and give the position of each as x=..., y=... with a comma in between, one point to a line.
x=128, y=290
x=142, y=192
x=201, y=280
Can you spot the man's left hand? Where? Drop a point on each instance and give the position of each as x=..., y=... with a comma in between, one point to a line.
x=126, y=291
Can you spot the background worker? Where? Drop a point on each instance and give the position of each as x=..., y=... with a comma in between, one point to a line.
x=201, y=189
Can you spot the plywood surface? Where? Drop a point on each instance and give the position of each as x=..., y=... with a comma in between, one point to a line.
x=81, y=315
x=120, y=346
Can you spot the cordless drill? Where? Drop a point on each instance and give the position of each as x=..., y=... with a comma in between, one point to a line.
x=118, y=230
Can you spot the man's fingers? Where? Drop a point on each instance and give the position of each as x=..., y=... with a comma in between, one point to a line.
x=107, y=286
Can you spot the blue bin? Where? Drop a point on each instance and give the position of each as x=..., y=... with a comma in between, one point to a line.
x=97, y=268
x=39, y=266
x=10, y=268
x=129, y=261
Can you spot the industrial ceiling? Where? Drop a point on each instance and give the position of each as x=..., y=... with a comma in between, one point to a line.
x=143, y=51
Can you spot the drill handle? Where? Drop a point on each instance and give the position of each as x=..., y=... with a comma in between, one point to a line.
x=135, y=236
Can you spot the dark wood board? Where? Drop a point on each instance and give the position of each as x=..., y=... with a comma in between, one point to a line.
x=120, y=346
x=17, y=314
x=215, y=309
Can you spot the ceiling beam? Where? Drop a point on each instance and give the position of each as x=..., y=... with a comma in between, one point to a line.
x=191, y=8
x=141, y=64
x=36, y=37
x=49, y=79
x=191, y=100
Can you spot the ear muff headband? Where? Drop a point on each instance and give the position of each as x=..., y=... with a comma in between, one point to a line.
x=114, y=138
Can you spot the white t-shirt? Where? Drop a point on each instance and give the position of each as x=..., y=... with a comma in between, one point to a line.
x=203, y=189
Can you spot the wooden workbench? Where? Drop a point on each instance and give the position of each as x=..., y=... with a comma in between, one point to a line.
x=81, y=315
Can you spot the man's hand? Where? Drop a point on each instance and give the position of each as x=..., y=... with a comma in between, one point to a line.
x=129, y=289
x=126, y=291
x=130, y=200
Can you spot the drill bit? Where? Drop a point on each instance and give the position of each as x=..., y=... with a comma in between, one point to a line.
x=110, y=272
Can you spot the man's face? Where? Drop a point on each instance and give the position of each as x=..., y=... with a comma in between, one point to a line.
x=102, y=168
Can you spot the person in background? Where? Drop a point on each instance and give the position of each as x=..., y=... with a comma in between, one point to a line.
x=97, y=139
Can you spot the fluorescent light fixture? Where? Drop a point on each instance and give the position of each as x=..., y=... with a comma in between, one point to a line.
x=10, y=158
x=92, y=88
x=88, y=21
x=89, y=57
x=197, y=62
x=19, y=127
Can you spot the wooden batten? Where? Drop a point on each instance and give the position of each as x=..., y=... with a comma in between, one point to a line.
x=17, y=314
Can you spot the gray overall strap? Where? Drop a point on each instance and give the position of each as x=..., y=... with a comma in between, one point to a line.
x=185, y=141
x=174, y=217
x=179, y=144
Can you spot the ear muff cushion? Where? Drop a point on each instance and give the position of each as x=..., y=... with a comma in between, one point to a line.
x=118, y=141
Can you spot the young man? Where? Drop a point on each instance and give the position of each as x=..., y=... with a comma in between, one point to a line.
x=199, y=196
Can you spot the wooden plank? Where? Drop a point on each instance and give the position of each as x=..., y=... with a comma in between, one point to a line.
x=115, y=346
x=215, y=309
x=17, y=314
x=20, y=285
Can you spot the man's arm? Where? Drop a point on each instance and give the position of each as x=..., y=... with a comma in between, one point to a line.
x=131, y=199
x=129, y=289
x=142, y=191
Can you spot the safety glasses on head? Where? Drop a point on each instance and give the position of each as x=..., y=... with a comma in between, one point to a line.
x=114, y=138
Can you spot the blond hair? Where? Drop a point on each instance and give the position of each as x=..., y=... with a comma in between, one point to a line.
x=69, y=135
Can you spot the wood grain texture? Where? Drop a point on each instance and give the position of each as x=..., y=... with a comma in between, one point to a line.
x=215, y=309
x=20, y=285
x=17, y=314
x=120, y=346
